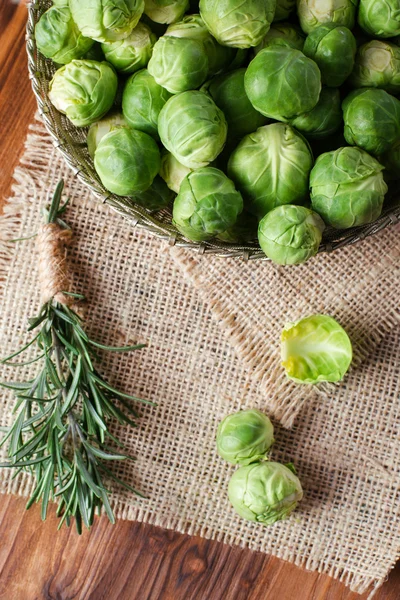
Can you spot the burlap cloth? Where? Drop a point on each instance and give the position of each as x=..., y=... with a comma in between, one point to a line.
x=344, y=441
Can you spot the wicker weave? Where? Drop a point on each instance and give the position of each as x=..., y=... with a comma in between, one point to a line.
x=71, y=142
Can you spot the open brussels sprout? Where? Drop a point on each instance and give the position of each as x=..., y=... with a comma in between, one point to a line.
x=315, y=349
x=192, y=128
x=207, y=204
x=237, y=23
x=172, y=171
x=377, y=65
x=324, y=119
x=133, y=52
x=58, y=37
x=84, y=90
x=99, y=129
x=333, y=48
x=380, y=18
x=165, y=11
x=284, y=34
x=290, y=235
x=284, y=8
x=271, y=167
x=156, y=197
x=127, y=161
x=282, y=83
x=106, y=20
x=245, y=437
x=313, y=13
x=347, y=187
x=265, y=492
x=371, y=119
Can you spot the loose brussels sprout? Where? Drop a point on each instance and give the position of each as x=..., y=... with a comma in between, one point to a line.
x=57, y=37
x=178, y=64
x=132, y=53
x=142, y=101
x=237, y=23
x=313, y=13
x=244, y=230
x=207, y=204
x=315, y=349
x=106, y=20
x=193, y=128
x=347, y=187
x=391, y=161
x=265, y=492
x=172, y=171
x=165, y=11
x=333, y=48
x=282, y=83
x=324, y=119
x=271, y=167
x=127, y=161
x=377, y=64
x=99, y=129
x=283, y=9
x=371, y=119
x=290, y=235
x=229, y=95
x=380, y=18
x=284, y=34
x=158, y=196
x=84, y=90
x=245, y=437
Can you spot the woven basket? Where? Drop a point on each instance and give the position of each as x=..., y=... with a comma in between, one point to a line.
x=71, y=142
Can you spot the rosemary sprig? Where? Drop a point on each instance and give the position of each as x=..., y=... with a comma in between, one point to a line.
x=60, y=432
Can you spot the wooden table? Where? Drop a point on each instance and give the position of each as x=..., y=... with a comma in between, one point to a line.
x=128, y=560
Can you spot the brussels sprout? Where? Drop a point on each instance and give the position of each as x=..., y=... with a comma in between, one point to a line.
x=371, y=119
x=265, y=492
x=228, y=93
x=377, y=64
x=178, y=64
x=142, y=101
x=57, y=37
x=282, y=83
x=290, y=235
x=347, y=187
x=245, y=437
x=127, y=161
x=158, y=196
x=193, y=128
x=106, y=20
x=172, y=171
x=207, y=204
x=239, y=60
x=391, y=161
x=283, y=9
x=313, y=13
x=99, y=129
x=165, y=11
x=380, y=18
x=271, y=167
x=333, y=48
x=324, y=119
x=244, y=230
x=315, y=349
x=84, y=90
x=284, y=34
x=237, y=23
x=133, y=52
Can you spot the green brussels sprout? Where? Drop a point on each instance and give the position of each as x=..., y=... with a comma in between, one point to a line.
x=133, y=52
x=106, y=20
x=57, y=37
x=290, y=235
x=158, y=196
x=324, y=119
x=377, y=65
x=192, y=128
x=271, y=167
x=84, y=90
x=391, y=161
x=284, y=34
x=265, y=492
x=313, y=13
x=244, y=230
x=347, y=187
x=127, y=161
x=172, y=171
x=178, y=64
x=207, y=204
x=282, y=83
x=333, y=48
x=229, y=95
x=283, y=10
x=99, y=129
x=245, y=437
x=237, y=23
x=165, y=11
x=371, y=119
x=380, y=18
x=315, y=349
x=142, y=101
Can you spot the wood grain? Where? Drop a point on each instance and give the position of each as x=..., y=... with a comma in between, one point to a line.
x=127, y=561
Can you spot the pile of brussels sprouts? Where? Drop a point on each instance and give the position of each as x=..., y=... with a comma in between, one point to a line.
x=273, y=118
